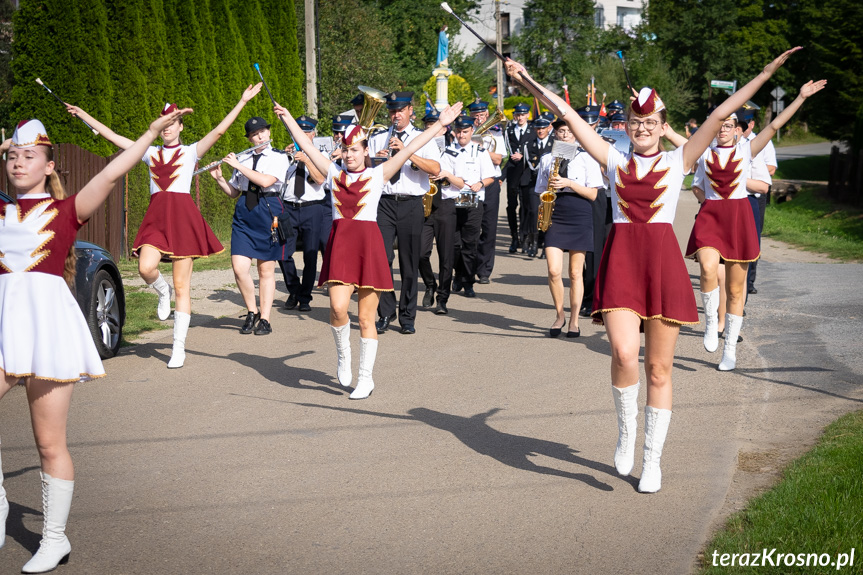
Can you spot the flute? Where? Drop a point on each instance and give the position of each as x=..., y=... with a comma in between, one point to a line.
x=209, y=167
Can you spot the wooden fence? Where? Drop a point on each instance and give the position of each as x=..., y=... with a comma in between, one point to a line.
x=846, y=176
x=76, y=167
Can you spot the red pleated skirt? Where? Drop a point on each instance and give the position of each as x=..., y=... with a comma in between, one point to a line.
x=642, y=270
x=174, y=226
x=356, y=256
x=728, y=227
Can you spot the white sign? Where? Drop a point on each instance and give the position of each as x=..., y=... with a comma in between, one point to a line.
x=722, y=84
x=777, y=93
x=778, y=106
x=324, y=144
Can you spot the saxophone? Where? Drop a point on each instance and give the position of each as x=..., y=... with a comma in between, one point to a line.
x=428, y=197
x=547, y=198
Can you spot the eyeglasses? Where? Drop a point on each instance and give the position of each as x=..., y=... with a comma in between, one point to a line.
x=727, y=127
x=649, y=125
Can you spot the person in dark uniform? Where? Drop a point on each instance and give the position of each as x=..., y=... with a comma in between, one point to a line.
x=400, y=214
x=256, y=181
x=467, y=166
x=516, y=134
x=439, y=229
x=534, y=149
x=601, y=210
x=618, y=121
x=493, y=142
x=306, y=203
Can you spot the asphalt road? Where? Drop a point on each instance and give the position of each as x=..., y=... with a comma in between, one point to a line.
x=485, y=448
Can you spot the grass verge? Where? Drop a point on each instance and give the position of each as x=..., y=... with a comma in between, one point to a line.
x=814, y=168
x=816, y=509
x=814, y=223
x=797, y=137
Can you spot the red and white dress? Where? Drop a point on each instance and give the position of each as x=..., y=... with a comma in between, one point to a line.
x=42, y=330
x=173, y=224
x=642, y=269
x=355, y=253
x=725, y=222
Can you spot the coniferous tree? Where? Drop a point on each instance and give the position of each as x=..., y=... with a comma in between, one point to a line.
x=286, y=59
x=131, y=110
x=155, y=60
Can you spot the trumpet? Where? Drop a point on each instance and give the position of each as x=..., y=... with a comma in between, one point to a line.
x=209, y=167
x=547, y=199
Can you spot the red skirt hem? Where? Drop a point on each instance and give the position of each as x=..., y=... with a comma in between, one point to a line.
x=355, y=255
x=174, y=226
x=728, y=227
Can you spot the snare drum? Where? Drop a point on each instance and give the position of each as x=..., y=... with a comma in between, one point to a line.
x=467, y=200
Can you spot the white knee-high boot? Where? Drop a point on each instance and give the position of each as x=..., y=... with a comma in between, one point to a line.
x=181, y=328
x=164, y=290
x=342, y=335
x=365, y=385
x=4, y=507
x=655, y=429
x=626, y=405
x=54, y=548
x=733, y=323
x=711, y=319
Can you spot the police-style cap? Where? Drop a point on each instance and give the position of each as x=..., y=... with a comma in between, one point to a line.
x=463, y=122
x=30, y=133
x=431, y=117
x=254, y=124
x=618, y=117
x=521, y=108
x=398, y=100
x=479, y=106
x=615, y=106
x=589, y=114
x=341, y=123
x=745, y=115
x=545, y=119
x=357, y=100
x=307, y=123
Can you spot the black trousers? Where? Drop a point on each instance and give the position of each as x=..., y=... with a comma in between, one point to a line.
x=488, y=232
x=759, y=205
x=468, y=225
x=528, y=211
x=439, y=228
x=600, y=209
x=513, y=193
x=307, y=222
x=402, y=219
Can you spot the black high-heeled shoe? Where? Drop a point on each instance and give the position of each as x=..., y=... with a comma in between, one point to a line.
x=556, y=331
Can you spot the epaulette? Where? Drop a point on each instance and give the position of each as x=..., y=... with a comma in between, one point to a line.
x=611, y=141
x=480, y=149
x=451, y=152
x=279, y=151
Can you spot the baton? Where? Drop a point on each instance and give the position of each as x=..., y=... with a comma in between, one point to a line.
x=59, y=99
x=273, y=100
x=625, y=73
x=4, y=197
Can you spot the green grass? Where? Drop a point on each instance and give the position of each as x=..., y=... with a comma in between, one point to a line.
x=814, y=223
x=816, y=508
x=814, y=168
x=797, y=137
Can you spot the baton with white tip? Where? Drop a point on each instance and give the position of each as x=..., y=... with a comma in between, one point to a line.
x=59, y=99
x=273, y=100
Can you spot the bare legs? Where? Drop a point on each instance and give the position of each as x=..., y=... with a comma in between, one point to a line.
x=554, y=258
x=267, y=281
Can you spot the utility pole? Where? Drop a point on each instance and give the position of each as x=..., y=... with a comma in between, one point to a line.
x=498, y=43
x=311, y=65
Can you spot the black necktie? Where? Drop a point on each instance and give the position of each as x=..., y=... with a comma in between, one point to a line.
x=254, y=189
x=300, y=180
x=398, y=174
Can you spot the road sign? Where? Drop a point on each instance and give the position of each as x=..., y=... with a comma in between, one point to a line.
x=722, y=84
x=777, y=93
x=778, y=106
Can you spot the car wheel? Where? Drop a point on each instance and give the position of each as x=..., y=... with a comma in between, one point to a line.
x=104, y=316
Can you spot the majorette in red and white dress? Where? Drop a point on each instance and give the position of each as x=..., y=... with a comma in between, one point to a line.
x=725, y=222
x=42, y=330
x=173, y=224
x=355, y=253
x=642, y=269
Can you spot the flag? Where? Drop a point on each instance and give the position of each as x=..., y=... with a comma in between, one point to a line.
x=535, y=111
x=565, y=90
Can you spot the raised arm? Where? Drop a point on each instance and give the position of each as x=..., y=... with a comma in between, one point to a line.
x=809, y=88
x=207, y=142
x=699, y=141
x=676, y=139
x=121, y=142
x=395, y=164
x=320, y=161
x=94, y=194
x=584, y=133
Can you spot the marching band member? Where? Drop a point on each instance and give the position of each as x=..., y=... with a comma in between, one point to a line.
x=517, y=133
x=468, y=167
x=534, y=149
x=356, y=259
x=256, y=180
x=725, y=226
x=173, y=228
x=643, y=279
x=44, y=339
x=400, y=214
x=571, y=227
x=491, y=140
x=307, y=204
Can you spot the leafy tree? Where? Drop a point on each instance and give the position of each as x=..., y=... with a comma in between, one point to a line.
x=458, y=90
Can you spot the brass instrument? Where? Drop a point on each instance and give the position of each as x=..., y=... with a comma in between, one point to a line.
x=497, y=118
x=373, y=101
x=428, y=198
x=547, y=199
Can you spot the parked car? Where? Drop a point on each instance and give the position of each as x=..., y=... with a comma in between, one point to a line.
x=99, y=291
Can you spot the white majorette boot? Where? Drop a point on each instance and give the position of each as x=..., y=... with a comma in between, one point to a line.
x=655, y=429
x=711, y=319
x=54, y=548
x=733, y=323
x=164, y=290
x=365, y=385
x=342, y=335
x=626, y=405
x=181, y=328
x=4, y=507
